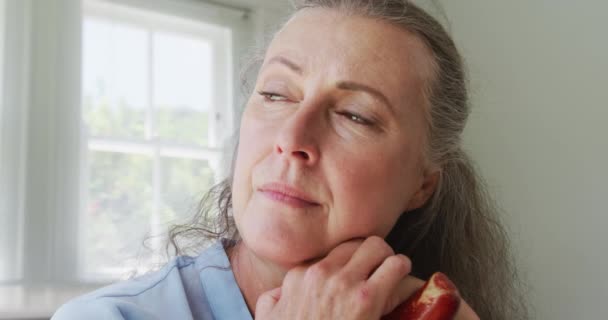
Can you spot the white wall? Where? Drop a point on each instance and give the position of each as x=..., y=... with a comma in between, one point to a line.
x=539, y=73
x=267, y=14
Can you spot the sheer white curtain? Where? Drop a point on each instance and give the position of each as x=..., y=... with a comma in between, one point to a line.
x=3, y=219
x=4, y=238
x=39, y=131
x=14, y=32
x=2, y=23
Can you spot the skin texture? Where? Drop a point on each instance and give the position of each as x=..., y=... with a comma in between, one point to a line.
x=355, y=157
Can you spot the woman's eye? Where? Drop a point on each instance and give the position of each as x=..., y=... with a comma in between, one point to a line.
x=272, y=97
x=356, y=118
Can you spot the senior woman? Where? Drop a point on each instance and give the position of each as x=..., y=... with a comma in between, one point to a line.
x=348, y=188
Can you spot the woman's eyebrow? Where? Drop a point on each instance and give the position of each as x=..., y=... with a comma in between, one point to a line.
x=284, y=61
x=343, y=85
x=354, y=86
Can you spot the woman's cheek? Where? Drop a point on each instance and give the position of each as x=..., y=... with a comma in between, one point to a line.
x=245, y=161
x=365, y=206
x=352, y=205
x=255, y=143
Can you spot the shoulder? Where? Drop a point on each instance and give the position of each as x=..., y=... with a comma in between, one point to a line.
x=95, y=310
x=148, y=297
x=185, y=288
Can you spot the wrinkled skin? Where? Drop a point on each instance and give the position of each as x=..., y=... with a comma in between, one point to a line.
x=330, y=155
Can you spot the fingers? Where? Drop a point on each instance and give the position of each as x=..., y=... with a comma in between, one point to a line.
x=402, y=289
x=384, y=272
x=340, y=255
x=465, y=312
x=407, y=286
x=266, y=302
x=356, y=269
x=369, y=256
x=322, y=269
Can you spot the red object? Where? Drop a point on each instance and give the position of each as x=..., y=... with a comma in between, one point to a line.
x=438, y=299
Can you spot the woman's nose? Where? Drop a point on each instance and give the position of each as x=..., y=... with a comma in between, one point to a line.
x=298, y=138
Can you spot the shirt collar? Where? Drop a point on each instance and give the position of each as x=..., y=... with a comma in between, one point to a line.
x=223, y=293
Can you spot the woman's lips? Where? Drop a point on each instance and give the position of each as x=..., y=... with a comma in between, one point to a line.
x=288, y=195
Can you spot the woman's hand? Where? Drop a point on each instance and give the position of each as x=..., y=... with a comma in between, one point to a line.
x=356, y=280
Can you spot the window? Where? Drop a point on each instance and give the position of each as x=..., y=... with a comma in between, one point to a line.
x=155, y=92
x=111, y=128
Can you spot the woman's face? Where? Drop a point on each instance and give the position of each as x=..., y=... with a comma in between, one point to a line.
x=331, y=141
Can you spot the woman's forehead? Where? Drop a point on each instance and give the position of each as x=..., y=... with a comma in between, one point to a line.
x=320, y=29
x=353, y=47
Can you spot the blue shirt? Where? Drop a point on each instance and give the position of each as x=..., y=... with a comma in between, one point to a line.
x=197, y=288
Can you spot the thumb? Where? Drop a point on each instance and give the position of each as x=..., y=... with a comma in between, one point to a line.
x=266, y=302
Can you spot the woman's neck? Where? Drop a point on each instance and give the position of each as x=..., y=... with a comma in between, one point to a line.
x=253, y=275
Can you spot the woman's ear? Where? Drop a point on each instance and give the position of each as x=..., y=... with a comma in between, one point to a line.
x=427, y=188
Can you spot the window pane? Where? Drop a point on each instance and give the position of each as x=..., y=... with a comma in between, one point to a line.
x=118, y=211
x=115, y=79
x=183, y=183
x=182, y=88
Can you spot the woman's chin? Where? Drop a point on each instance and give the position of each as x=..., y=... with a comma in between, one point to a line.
x=285, y=248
